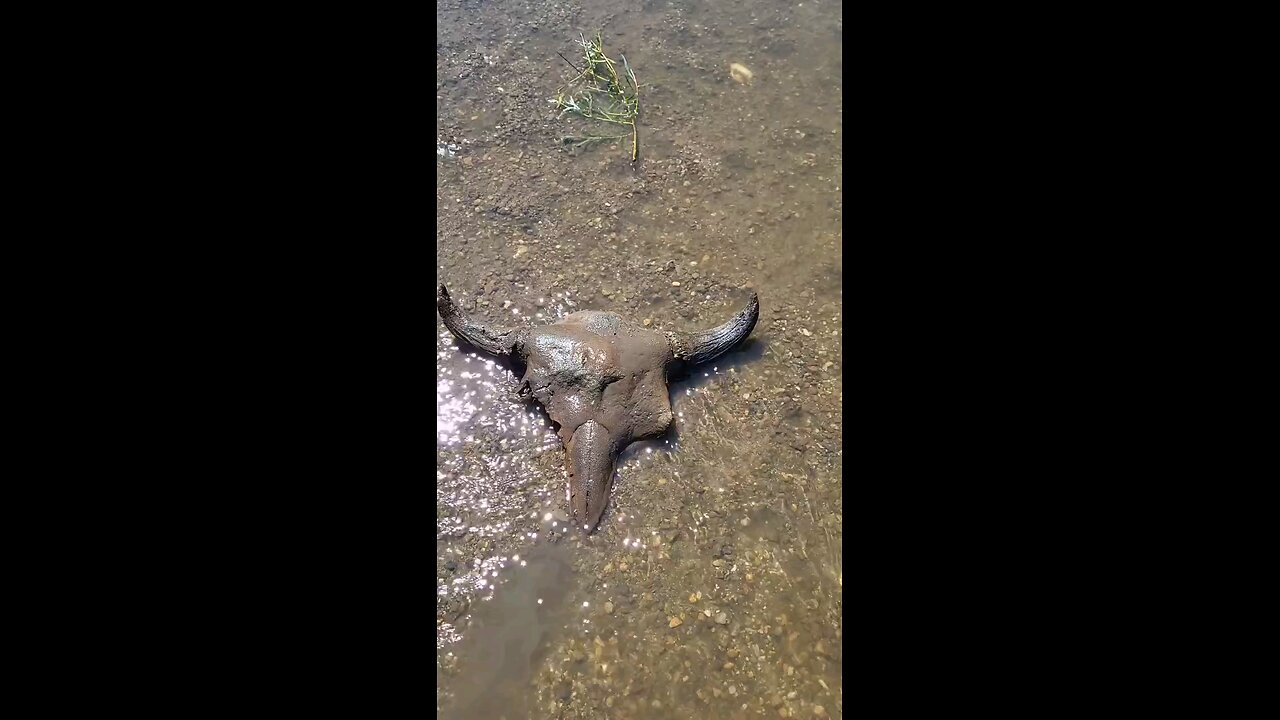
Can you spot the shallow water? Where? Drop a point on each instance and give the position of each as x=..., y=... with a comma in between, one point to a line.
x=713, y=586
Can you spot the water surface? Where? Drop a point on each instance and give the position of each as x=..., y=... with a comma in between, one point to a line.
x=713, y=587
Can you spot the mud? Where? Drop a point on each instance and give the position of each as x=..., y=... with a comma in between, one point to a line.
x=713, y=587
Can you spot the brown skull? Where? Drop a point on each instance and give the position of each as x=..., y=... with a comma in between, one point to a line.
x=602, y=379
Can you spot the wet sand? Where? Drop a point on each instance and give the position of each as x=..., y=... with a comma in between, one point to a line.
x=713, y=586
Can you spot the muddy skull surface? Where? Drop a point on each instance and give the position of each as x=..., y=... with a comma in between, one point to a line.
x=602, y=379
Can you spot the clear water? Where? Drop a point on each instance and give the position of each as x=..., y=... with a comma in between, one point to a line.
x=713, y=587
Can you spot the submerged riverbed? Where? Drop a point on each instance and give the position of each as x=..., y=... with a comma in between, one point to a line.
x=713, y=586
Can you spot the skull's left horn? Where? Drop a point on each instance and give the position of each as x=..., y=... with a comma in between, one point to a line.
x=493, y=340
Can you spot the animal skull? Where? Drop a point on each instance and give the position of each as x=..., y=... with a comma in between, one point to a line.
x=602, y=379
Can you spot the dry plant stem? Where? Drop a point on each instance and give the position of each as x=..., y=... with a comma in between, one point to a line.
x=635, y=134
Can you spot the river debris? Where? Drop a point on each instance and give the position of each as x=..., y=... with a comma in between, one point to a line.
x=600, y=92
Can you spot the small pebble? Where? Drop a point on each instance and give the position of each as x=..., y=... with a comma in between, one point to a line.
x=675, y=283
x=675, y=622
x=722, y=619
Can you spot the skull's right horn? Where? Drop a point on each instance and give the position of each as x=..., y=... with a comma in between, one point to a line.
x=707, y=345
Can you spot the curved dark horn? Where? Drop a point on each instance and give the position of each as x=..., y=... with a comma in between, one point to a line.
x=495, y=341
x=706, y=345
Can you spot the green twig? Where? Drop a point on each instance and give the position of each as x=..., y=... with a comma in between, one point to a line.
x=599, y=93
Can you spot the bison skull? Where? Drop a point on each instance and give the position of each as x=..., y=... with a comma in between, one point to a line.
x=602, y=379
